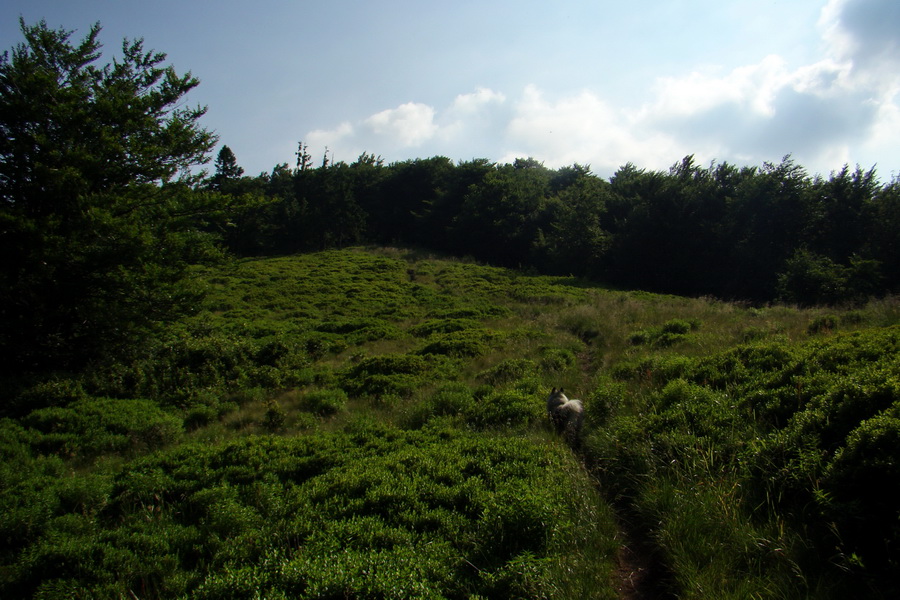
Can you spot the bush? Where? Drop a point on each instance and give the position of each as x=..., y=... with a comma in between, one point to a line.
x=555, y=360
x=823, y=324
x=373, y=511
x=810, y=279
x=325, y=402
x=442, y=326
x=98, y=425
x=460, y=344
x=507, y=408
x=669, y=333
x=390, y=375
x=862, y=486
x=274, y=417
x=507, y=371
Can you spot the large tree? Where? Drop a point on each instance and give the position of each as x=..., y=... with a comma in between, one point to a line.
x=96, y=207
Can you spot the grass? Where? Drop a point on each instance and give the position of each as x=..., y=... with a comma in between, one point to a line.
x=382, y=411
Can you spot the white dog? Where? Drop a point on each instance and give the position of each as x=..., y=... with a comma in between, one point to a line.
x=566, y=415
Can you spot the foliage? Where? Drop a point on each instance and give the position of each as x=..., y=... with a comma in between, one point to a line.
x=756, y=233
x=405, y=451
x=96, y=229
x=767, y=435
x=743, y=463
x=100, y=425
x=435, y=513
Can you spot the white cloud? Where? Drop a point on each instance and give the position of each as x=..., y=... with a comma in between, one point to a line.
x=752, y=87
x=841, y=108
x=467, y=104
x=329, y=137
x=584, y=129
x=410, y=124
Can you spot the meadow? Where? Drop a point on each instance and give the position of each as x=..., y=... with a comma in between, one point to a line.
x=370, y=423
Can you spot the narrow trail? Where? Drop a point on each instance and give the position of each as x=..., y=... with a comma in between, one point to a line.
x=640, y=573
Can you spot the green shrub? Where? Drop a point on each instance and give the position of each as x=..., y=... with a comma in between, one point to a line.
x=373, y=510
x=325, y=402
x=442, y=326
x=822, y=324
x=390, y=375
x=555, y=360
x=97, y=425
x=669, y=333
x=507, y=408
x=507, y=371
x=680, y=326
x=460, y=344
x=274, y=417
x=862, y=486
x=54, y=392
x=452, y=399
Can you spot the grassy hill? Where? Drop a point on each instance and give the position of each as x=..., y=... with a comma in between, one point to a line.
x=369, y=423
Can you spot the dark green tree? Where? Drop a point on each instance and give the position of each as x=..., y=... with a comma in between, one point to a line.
x=502, y=216
x=767, y=216
x=98, y=213
x=838, y=211
x=883, y=236
x=227, y=168
x=576, y=241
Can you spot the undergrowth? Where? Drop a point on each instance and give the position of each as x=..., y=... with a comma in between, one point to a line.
x=371, y=423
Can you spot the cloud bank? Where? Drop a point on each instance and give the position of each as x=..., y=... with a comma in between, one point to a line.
x=842, y=108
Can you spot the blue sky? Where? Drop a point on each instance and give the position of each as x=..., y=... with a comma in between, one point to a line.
x=599, y=83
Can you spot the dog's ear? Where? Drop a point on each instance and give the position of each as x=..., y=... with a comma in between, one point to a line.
x=560, y=390
x=553, y=391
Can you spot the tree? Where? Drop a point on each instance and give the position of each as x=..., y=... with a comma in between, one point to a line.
x=227, y=168
x=97, y=209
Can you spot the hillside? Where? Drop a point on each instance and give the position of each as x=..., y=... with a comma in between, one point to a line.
x=370, y=423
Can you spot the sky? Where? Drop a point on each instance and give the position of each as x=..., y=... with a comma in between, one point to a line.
x=596, y=83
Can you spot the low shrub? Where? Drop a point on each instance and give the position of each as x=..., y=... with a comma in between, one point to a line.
x=388, y=375
x=370, y=512
x=460, y=344
x=441, y=326
x=324, y=402
x=668, y=334
x=822, y=324
x=274, y=417
x=555, y=360
x=508, y=371
x=98, y=425
x=507, y=408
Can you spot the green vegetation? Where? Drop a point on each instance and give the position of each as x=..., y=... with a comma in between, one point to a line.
x=264, y=445
x=369, y=422
x=753, y=233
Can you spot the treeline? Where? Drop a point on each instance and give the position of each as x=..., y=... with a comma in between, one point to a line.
x=751, y=233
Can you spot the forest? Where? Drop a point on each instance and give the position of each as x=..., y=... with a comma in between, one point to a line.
x=329, y=381
x=739, y=233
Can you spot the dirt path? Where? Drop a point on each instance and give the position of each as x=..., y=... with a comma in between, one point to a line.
x=640, y=574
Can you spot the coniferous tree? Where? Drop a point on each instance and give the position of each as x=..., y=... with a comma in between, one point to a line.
x=226, y=167
x=96, y=197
